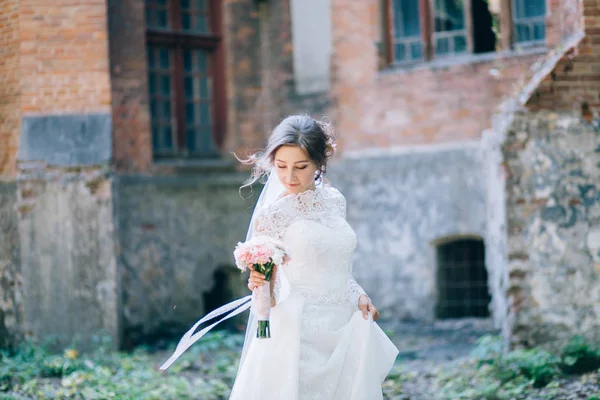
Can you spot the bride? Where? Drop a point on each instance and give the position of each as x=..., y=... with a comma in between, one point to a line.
x=324, y=341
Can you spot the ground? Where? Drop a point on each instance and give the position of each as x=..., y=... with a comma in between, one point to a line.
x=444, y=361
x=428, y=352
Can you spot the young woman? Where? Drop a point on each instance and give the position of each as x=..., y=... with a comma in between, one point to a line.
x=324, y=342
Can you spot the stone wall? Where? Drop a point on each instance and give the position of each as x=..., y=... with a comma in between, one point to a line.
x=70, y=286
x=553, y=216
x=10, y=110
x=400, y=204
x=174, y=234
x=11, y=313
x=550, y=173
x=63, y=192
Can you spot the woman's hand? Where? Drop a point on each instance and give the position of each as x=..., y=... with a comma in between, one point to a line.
x=257, y=279
x=365, y=305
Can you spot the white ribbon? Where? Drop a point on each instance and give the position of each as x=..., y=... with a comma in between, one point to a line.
x=190, y=338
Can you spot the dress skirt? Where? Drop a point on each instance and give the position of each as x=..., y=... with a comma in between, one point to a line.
x=318, y=350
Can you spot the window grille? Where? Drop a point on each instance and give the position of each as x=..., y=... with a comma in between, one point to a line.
x=450, y=34
x=407, y=37
x=462, y=280
x=529, y=19
x=185, y=77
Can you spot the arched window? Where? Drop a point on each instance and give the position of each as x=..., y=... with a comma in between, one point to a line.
x=462, y=279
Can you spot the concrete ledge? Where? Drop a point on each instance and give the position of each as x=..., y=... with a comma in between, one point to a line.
x=67, y=140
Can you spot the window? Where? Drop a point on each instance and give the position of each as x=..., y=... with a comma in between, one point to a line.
x=408, y=45
x=449, y=35
x=529, y=21
x=422, y=30
x=185, y=77
x=462, y=280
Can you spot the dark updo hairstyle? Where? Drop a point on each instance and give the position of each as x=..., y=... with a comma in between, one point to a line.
x=314, y=137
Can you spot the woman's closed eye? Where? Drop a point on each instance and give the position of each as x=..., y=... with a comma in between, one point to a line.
x=284, y=167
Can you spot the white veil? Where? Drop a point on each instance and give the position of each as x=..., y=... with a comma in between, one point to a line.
x=272, y=191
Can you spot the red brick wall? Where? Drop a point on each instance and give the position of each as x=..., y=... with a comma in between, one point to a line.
x=64, y=56
x=259, y=76
x=574, y=84
x=131, y=115
x=9, y=87
x=564, y=19
x=132, y=142
x=420, y=106
x=260, y=73
x=244, y=100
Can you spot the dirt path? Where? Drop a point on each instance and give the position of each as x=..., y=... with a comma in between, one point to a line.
x=426, y=348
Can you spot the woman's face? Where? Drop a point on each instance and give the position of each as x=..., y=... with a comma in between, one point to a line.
x=295, y=169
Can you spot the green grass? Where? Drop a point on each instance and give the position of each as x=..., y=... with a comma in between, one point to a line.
x=492, y=375
x=207, y=370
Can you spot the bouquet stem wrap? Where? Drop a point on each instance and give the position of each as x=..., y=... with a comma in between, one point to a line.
x=262, y=254
x=261, y=301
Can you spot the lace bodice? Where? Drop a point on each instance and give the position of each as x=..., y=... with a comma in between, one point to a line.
x=313, y=227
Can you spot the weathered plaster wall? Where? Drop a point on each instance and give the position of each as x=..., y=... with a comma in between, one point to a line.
x=399, y=203
x=553, y=215
x=11, y=313
x=70, y=288
x=174, y=234
x=539, y=188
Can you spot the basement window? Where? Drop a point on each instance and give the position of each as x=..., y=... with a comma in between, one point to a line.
x=462, y=280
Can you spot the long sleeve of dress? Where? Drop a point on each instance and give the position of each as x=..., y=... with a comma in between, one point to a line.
x=353, y=287
x=266, y=226
x=355, y=290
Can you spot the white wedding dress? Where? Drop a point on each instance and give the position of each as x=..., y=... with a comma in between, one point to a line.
x=321, y=347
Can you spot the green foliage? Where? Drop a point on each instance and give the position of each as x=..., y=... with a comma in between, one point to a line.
x=206, y=371
x=493, y=375
x=537, y=365
x=578, y=356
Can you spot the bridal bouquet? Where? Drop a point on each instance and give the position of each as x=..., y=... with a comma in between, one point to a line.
x=260, y=253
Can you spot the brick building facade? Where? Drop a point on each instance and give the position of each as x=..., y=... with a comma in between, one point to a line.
x=118, y=119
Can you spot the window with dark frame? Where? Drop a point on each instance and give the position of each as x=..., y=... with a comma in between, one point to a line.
x=421, y=30
x=407, y=42
x=449, y=33
x=462, y=280
x=185, y=77
x=529, y=19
